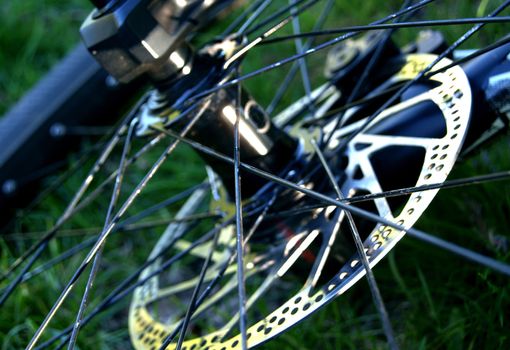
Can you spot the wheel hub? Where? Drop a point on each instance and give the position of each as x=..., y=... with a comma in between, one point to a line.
x=302, y=254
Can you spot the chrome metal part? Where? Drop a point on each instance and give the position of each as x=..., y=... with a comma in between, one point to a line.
x=262, y=144
x=141, y=37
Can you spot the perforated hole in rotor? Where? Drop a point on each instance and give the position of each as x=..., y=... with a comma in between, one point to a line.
x=386, y=233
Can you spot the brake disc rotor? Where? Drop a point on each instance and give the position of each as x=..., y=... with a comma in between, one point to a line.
x=278, y=295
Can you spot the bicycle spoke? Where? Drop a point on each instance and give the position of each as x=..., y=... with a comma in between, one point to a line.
x=461, y=251
x=264, y=286
x=241, y=52
x=122, y=227
x=470, y=57
x=104, y=235
x=239, y=20
x=86, y=201
x=124, y=289
x=279, y=13
x=372, y=63
x=420, y=75
x=374, y=289
x=10, y=288
x=228, y=271
x=83, y=157
x=35, y=250
x=295, y=66
x=62, y=257
x=397, y=25
x=256, y=14
x=199, y=305
x=310, y=51
x=305, y=76
x=475, y=180
x=193, y=301
x=239, y=226
x=500, y=267
x=109, y=213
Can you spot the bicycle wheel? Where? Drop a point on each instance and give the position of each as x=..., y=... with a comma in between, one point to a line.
x=298, y=237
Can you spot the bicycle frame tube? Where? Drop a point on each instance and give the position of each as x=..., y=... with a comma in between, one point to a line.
x=489, y=76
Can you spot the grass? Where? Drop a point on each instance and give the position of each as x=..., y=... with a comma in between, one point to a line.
x=435, y=300
x=33, y=36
